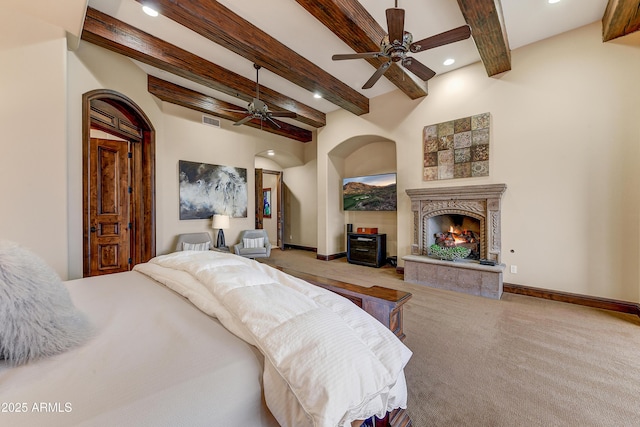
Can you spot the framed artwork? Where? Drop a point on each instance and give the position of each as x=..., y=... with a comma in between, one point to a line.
x=457, y=148
x=266, y=198
x=212, y=189
x=370, y=193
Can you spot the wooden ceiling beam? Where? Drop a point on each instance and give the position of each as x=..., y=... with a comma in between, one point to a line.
x=117, y=36
x=488, y=32
x=215, y=22
x=351, y=22
x=621, y=17
x=178, y=95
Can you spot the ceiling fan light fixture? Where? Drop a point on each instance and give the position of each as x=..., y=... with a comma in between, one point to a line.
x=449, y=61
x=150, y=11
x=258, y=109
x=397, y=43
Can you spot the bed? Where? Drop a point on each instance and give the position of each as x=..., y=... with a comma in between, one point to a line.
x=159, y=357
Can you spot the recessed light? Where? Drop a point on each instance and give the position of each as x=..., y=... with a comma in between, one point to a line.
x=553, y=1
x=149, y=11
x=317, y=96
x=449, y=61
x=271, y=153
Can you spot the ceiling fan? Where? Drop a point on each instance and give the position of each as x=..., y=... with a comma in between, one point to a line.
x=395, y=45
x=257, y=109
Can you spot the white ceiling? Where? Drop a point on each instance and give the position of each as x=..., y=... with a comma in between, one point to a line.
x=526, y=21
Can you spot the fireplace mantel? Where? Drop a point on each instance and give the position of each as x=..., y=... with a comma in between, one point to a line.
x=478, y=201
x=464, y=191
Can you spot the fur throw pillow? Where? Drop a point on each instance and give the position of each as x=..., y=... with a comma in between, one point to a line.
x=37, y=317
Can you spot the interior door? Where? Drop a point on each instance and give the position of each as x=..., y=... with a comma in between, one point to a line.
x=278, y=208
x=109, y=207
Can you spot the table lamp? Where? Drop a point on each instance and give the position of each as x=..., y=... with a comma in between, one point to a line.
x=220, y=222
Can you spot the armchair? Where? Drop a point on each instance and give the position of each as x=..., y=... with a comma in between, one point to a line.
x=193, y=239
x=253, y=244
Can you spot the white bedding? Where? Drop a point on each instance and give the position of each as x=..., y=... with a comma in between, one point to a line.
x=155, y=360
x=327, y=362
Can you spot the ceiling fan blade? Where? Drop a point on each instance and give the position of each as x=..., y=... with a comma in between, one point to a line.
x=243, y=121
x=363, y=55
x=395, y=25
x=273, y=122
x=418, y=68
x=376, y=76
x=290, y=114
x=441, y=39
x=234, y=111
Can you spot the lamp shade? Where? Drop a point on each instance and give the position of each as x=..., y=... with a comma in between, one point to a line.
x=220, y=221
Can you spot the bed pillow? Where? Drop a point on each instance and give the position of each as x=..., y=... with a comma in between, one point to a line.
x=196, y=246
x=253, y=243
x=37, y=317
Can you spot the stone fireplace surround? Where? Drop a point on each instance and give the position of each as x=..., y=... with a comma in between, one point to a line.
x=481, y=202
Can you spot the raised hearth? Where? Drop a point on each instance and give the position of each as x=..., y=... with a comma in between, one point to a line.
x=480, y=204
x=469, y=277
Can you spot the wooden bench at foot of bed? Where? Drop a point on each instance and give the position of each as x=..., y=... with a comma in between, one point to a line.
x=384, y=304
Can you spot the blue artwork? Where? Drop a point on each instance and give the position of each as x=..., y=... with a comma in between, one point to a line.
x=266, y=197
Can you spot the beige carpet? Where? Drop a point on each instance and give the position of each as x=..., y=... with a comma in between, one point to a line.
x=520, y=361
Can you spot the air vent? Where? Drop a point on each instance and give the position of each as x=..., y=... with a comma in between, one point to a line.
x=210, y=121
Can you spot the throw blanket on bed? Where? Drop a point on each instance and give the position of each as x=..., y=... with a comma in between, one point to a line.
x=327, y=362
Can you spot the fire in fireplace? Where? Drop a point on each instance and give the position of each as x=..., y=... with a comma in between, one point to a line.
x=451, y=230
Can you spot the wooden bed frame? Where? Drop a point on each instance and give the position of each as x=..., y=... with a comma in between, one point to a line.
x=384, y=304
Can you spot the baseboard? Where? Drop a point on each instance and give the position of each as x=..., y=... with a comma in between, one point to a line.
x=331, y=257
x=320, y=257
x=302, y=248
x=589, y=301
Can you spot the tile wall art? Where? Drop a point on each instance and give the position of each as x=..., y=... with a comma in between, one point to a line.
x=457, y=148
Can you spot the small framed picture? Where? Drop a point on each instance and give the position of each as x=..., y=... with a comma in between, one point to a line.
x=266, y=198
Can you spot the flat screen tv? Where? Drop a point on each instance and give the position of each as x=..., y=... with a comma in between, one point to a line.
x=370, y=193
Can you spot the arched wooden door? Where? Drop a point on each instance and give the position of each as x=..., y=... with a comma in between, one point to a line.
x=118, y=184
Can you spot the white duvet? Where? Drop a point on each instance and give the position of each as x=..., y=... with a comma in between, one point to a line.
x=327, y=362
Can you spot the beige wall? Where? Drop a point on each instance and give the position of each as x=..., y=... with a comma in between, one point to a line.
x=270, y=181
x=91, y=68
x=299, y=198
x=301, y=204
x=565, y=140
x=33, y=163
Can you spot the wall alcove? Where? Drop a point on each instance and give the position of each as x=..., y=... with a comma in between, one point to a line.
x=353, y=158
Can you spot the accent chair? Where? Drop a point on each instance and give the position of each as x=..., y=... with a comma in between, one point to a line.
x=194, y=241
x=253, y=244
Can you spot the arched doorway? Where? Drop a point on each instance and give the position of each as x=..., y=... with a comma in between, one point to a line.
x=270, y=218
x=118, y=164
